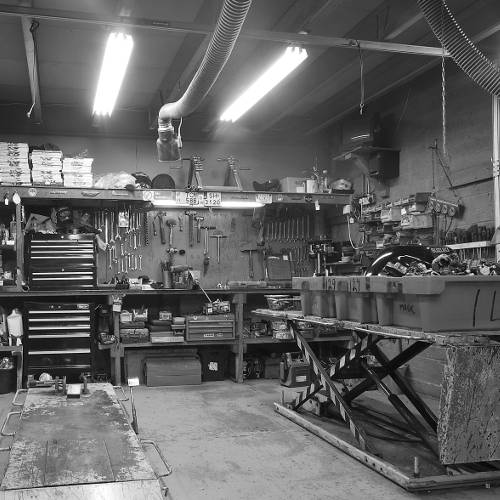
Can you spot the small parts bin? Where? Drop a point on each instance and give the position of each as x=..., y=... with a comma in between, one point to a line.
x=353, y=298
x=438, y=303
x=315, y=299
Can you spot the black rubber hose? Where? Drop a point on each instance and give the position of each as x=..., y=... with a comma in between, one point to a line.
x=226, y=32
x=462, y=50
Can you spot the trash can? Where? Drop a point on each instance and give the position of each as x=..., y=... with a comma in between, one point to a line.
x=8, y=375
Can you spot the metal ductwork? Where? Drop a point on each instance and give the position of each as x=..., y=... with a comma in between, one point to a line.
x=462, y=50
x=226, y=32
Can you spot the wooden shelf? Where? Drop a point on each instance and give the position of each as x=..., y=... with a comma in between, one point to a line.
x=271, y=340
x=471, y=244
x=32, y=195
x=184, y=343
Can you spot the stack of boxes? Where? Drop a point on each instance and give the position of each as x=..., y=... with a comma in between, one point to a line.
x=133, y=326
x=77, y=172
x=14, y=164
x=46, y=167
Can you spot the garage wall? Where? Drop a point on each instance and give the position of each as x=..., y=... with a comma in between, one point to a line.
x=413, y=115
x=258, y=161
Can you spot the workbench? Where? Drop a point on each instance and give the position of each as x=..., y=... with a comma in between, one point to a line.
x=461, y=441
x=76, y=448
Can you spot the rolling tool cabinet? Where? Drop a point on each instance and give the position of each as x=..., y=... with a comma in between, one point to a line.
x=58, y=338
x=61, y=261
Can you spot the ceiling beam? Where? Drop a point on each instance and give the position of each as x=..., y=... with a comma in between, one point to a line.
x=482, y=35
x=35, y=112
x=185, y=27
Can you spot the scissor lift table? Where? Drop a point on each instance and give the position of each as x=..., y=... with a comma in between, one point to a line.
x=82, y=448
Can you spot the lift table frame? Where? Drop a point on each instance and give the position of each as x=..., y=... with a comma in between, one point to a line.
x=368, y=337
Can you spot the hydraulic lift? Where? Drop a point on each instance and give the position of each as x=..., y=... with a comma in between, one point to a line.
x=459, y=460
x=80, y=446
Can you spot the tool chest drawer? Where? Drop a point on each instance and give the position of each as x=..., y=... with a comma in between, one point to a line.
x=59, y=338
x=210, y=327
x=56, y=261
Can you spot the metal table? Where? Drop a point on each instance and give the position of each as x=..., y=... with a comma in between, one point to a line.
x=76, y=448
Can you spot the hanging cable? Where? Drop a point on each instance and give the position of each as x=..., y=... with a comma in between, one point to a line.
x=34, y=26
x=361, y=79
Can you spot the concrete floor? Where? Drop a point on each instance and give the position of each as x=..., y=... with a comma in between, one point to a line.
x=225, y=441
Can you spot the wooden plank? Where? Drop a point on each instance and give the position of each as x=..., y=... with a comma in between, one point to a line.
x=469, y=421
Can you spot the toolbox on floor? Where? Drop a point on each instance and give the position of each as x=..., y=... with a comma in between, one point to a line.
x=214, y=364
x=209, y=327
x=315, y=299
x=353, y=298
x=438, y=303
x=179, y=370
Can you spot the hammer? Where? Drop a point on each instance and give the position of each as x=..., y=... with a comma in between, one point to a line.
x=218, y=235
x=250, y=260
x=198, y=219
x=170, y=222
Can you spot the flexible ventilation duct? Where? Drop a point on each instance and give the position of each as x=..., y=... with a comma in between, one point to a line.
x=462, y=50
x=226, y=32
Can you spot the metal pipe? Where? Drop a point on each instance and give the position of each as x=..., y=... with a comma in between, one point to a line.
x=204, y=29
x=221, y=45
x=495, y=160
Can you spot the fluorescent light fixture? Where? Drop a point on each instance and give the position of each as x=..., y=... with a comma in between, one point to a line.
x=114, y=64
x=292, y=57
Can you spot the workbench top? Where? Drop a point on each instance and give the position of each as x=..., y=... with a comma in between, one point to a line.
x=480, y=337
x=81, y=441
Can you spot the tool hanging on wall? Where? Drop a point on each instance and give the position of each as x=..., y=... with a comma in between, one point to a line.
x=218, y=235
x=163, y=237
x=206, y=251
x=170, y=223
x=250, y=249
x=191, y=215
x=198, y=220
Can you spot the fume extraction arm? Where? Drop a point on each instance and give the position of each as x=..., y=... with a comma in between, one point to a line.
x=462, y=50
x=226, y=32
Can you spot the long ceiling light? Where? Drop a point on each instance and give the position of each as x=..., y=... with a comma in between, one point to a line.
x=288, y=61
x=114, y=64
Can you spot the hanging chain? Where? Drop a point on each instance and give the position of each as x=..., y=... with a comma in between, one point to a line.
x=361, y=79
x=443, y=104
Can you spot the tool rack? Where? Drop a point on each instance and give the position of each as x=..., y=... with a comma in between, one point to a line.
x=427, y=426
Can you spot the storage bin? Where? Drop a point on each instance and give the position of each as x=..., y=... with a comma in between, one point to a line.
x=438, y=303
x=182, y=370
x=315, y=300
x=353, y=298
x=214, y=364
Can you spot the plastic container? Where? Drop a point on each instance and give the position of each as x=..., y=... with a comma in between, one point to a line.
x=438, y=303
x=353, y=298
x=15, y=323
x=315, y=299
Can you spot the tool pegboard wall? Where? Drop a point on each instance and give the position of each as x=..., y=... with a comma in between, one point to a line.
x=180, y=236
